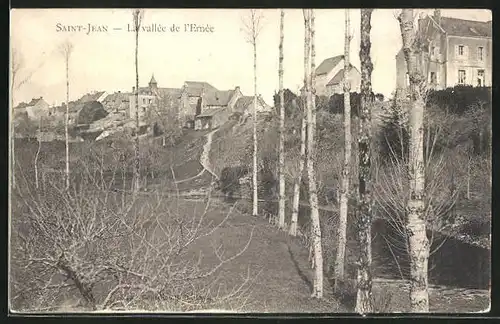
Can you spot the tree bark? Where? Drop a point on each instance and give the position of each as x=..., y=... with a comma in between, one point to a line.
x=255, y=209
x=418, y=242
x=66, y=124
x=282, y=199
x=344, y=192
x=311, y=161
x=38, y=152
x=364, y=277
x=298, y=179
x=137, y=24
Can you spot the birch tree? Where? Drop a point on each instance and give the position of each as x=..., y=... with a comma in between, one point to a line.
x=311, y=156
x=302, y=158
x=418, y=243
x=66, y=50
x=252, y=28
x=364, y=280
x=344, y=193
x=282, y=193
x=137, y=15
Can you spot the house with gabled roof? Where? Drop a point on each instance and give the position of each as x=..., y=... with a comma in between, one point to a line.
x=98, y=96
x=215, y=107
x=245, y=106
x=456, y=52
x=330, y=75
x=36, y=108
x=117, y=102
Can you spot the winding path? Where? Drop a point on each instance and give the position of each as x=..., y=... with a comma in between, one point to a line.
x=204, y=159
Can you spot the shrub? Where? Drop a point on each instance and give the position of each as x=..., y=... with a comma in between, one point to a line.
x=229, y=181
x=459, y=99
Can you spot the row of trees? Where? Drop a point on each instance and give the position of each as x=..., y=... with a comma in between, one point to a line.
x=415, y=221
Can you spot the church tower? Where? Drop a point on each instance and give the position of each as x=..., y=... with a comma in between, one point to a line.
x=153, y=85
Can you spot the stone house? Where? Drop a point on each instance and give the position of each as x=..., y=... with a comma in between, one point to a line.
x=212, y=118
x=215, y=107
x=117, y=102
x=98, y=96
x=245, y=106
x=191, y=102
x=456, y=52
x=35, y=109
x=330, y=76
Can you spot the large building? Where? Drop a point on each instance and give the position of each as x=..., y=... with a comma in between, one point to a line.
x=153, y=99
x=457, y=52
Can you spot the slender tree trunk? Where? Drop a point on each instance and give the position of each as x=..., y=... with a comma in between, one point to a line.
x=418, y=242
x=298, y=180
x=66, y=124
x=282, y=128
x=344, y=193
x=38, y=152
x=255, y=210
x=364, y=277
x=311, y=161
x=136, y=140
x=303, y=130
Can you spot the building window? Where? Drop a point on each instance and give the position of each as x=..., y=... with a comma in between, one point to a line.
x=407, y=79
x=433, y=79
x=480, y=53
x=460, y=50
x=480, y=78
x=461, y=77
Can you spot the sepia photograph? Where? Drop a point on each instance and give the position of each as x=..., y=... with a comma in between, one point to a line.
x=250, y=161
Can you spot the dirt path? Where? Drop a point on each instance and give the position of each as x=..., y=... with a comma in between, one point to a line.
x=204, y=160
x=205, y=156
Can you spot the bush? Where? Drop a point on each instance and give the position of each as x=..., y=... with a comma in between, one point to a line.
x=459, y=99
x=229, y=181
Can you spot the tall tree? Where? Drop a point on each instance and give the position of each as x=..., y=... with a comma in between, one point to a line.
x=311, y=159
x=66, y=50
x=303, y=133
x=137, y=15
x=252, y=28
x=282, y=193
x=18, y=79
x=344, y=192
x=364, y=282
x=418, y=243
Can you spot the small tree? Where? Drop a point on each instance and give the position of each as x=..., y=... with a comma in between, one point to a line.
x=344, y=193
x=66, y=50
x=138, y=16
x=282, y=193
x=252, y=28
x=311, y=157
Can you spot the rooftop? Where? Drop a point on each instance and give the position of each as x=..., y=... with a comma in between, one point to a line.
x=328, y=64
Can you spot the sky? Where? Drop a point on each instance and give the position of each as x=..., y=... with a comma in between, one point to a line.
x=104, y=60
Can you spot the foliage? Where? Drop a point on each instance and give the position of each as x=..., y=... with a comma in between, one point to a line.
x=229, y=181
x=91, y=248
x=459, y=99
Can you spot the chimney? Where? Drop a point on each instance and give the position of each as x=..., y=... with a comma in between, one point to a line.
x=437, y=16
x=133, y=90
x=119, y=91
x=237, y=88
